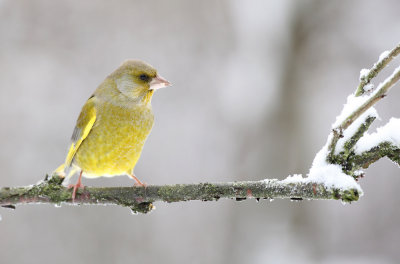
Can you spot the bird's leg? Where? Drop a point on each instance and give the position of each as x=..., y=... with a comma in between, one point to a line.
x=137, y=181
x=76, y=186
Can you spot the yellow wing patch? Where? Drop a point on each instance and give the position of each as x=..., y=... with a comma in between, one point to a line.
x=82, y=129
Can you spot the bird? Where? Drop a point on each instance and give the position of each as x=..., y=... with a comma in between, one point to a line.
x=113, y=125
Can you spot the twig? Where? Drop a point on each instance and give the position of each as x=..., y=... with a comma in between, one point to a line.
x=384, y=149
x=381, y=64
x=349, y=144
x=380, y=93
x=140, y=199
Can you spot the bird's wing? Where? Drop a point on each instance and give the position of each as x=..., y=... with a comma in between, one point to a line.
x=82, y=129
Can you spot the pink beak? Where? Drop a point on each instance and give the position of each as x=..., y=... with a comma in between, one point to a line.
x=159, y=82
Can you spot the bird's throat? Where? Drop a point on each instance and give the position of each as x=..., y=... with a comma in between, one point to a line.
x=147, y=97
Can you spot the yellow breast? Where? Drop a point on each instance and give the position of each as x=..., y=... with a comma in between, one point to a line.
x=116, y=140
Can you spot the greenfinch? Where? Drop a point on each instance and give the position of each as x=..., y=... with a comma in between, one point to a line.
x=113, y=125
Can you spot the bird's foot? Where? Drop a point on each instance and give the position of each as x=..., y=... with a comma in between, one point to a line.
x=143, y=184
x=75, y=186
x=137, y=181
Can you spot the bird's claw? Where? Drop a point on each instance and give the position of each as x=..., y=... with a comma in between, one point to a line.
x=140, y=184
x=75, y=188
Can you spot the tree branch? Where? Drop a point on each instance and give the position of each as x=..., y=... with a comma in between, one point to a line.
x=380, y=93
x=140, y=199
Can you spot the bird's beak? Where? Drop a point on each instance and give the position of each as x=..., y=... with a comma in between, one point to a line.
x=158, y=82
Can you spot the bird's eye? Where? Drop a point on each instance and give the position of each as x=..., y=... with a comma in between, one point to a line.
x=144, y=77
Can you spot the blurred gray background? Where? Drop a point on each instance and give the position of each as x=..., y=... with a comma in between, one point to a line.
x=257, y=85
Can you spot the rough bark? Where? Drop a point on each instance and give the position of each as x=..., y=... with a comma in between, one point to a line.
x=140, y=199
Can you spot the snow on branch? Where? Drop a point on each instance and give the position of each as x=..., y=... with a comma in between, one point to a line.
x=333, y=175
x=340, y=163
x=366, y=75
x=359, y=103
x=349, y=145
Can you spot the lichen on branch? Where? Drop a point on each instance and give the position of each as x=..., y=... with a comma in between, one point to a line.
x=141, y=199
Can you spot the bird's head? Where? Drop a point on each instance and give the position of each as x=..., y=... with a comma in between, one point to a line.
x=137, y=79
